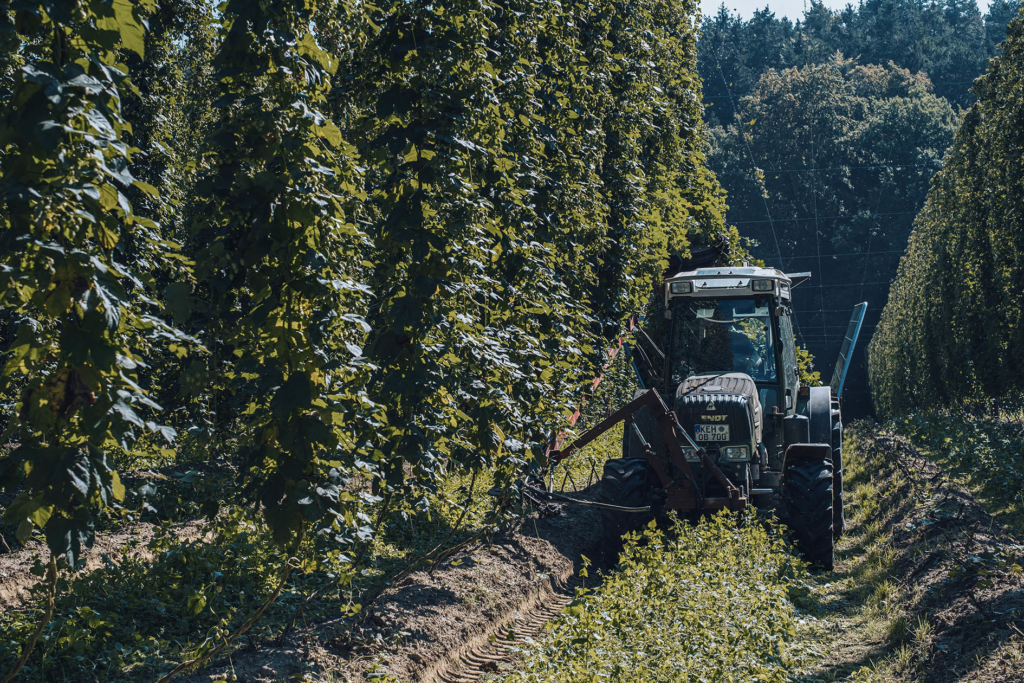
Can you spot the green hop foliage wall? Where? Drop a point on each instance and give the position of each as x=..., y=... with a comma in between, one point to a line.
x=81, y=307
x=396, y=239
x=953, y=329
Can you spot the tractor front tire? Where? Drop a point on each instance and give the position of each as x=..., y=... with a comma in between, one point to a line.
x=809, y=510
x=626, y=482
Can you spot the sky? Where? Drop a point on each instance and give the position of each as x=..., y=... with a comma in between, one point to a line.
x=794, y=9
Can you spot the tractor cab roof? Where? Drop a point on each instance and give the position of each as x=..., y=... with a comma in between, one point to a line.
x=732, y=281
x=725, y=271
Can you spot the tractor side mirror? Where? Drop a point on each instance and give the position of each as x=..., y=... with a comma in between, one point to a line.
x=789, y=399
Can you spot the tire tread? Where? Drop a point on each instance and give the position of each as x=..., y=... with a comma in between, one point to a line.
x=809, y=492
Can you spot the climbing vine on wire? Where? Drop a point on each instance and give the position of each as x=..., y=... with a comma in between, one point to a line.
x=404, y=237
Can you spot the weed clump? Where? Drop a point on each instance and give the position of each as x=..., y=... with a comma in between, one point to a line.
x=705, y=602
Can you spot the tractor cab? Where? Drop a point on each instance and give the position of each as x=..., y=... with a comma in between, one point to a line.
x=733, y=323
x=733, y=320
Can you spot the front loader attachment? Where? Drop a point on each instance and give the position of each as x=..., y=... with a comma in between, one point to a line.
x=677, y=479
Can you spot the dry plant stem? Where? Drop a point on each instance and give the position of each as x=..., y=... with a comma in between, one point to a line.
x=51, y=594
x=458, y=522
x=445, y=554
x=415, y=563
x=409, y=568
x=285, y=573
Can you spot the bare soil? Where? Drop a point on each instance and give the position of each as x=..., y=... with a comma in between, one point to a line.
x=420, y=627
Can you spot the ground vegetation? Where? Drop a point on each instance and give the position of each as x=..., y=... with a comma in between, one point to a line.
x=678, y=608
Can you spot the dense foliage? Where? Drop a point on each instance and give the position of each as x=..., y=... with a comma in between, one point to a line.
x=349, y=253
x=953, y=329
x=710, y=602
x=82, y=307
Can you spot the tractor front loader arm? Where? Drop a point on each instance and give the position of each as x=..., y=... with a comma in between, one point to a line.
x=679, y=496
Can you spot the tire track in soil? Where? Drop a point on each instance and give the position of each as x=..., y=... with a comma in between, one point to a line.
x=496, y=655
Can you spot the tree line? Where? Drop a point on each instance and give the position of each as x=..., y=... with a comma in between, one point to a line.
x=952, y=330
x=950, y=41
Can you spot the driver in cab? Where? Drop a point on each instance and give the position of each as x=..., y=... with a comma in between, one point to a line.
x=745, y=357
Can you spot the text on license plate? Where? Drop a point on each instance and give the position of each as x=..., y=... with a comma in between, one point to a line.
x=712, y=432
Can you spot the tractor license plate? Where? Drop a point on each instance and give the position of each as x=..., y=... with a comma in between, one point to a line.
x=712, y=432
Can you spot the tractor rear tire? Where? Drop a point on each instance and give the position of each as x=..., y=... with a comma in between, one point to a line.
x=809, y=493
x=626, y=482
x=838, y=516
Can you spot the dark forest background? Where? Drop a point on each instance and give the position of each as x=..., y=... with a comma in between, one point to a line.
x=826, y=133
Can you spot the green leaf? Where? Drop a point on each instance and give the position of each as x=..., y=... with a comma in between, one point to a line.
x=26, y=512
x=147, y=188
x=109, y=196
x=132, y=33
x=117, y=488
x=331, y=133
x=196, y=603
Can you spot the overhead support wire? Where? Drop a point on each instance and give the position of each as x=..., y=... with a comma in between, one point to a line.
x=817, y=236
x=871, y=235
x=850, y=253
x=753, y=165
x=823, y=169
x=829, y=218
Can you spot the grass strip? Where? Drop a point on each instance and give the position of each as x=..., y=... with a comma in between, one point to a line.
x=985, y=453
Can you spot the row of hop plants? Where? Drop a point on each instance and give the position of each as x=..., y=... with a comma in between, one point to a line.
x=953, y=328
x=707, y=602
x=355, y=250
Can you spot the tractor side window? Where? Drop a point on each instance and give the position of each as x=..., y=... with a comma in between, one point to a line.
x=789, y=366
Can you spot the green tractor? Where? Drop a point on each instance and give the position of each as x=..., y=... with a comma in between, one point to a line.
x=726, y=422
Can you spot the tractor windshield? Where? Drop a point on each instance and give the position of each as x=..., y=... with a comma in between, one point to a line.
x=722, y=335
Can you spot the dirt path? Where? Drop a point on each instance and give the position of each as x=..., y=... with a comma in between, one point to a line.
x=499, y=654
x=441, y=626
x=927, y=588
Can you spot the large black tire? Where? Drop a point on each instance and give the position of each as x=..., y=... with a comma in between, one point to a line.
x=809, y=494
x=838, y=516
x=626, y=482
